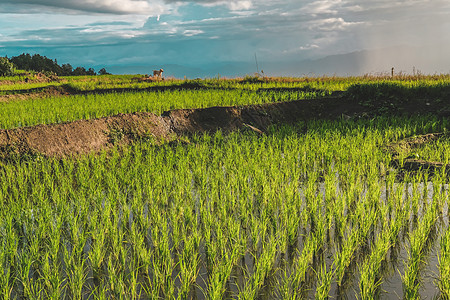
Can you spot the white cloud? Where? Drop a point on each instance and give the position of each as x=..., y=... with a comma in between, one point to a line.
x=323, y=7
x=234, y=5
x=192, y=32
x=331, y=24
x=93, y=6
x=240, y=5
x=301, y=49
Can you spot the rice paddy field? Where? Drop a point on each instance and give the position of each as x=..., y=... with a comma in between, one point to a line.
x=312, y=210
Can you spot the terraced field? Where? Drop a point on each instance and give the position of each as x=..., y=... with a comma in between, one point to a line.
x=255, y=188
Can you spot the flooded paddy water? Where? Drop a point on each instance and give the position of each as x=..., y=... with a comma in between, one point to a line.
x=391, y=274
x=284, y=215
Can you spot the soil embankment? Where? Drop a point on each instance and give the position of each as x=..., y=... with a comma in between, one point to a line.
x=86, y=136
x=82, y=136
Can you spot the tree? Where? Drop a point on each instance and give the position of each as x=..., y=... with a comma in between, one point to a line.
x=39, y=63
x=66, y=69
x=91, y=71
x=103, y=72
x=23, y=61
x=79, y=71
x=6, y=67
x=36, y=63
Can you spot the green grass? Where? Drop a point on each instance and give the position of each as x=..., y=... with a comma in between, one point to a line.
x=444, y=265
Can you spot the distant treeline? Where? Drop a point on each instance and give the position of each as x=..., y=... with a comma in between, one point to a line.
x=41, y=63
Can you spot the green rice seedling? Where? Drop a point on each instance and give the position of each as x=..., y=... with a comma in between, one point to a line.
x=9, y=241
x=418, y=239
x=264, y=265
x=220, y=272
x=100, y=293
x=31, y=288
x=162, y=262
x=221, y=261
x=56, y=110
x=50, y=269
x=167, y=221
x=291, y=283
x=8, y=89
x=52, y=279
x=97, y=255
x=444, y=266
x=134, y=99
x=74, y=261
x=133, y=290
x=367, y=219
x=6, y=285
x=116, y=280
x=189, y=263
x=370, y=278
x=76, y=277
x=325, y=279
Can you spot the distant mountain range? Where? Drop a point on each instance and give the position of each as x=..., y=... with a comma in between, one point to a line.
x=403, y=59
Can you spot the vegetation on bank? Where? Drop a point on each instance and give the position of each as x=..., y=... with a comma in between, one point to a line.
x=6, y=67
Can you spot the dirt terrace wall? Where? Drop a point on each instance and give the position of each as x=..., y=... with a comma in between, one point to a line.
x=82, y=136
x=85, y=136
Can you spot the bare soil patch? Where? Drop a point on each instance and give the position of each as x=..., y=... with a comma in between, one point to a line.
x=37, y=93
x=83, y=136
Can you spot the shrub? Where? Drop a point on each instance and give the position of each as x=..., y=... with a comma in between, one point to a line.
x=6, y=67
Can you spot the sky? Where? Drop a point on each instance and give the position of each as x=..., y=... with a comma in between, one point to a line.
x=218, y=34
